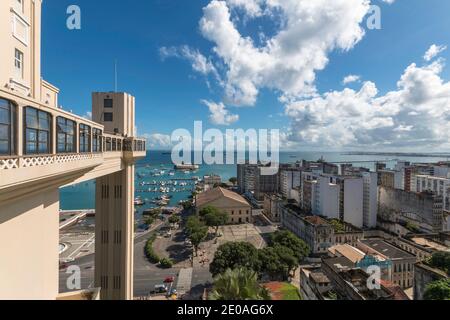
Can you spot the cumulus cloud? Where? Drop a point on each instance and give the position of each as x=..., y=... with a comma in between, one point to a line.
x=88, y=115
x=219, y=114
x=158, y=141
x=351, y=78
x=198, y=61
x=288, y=61
x=433, y=51
x=415, y=115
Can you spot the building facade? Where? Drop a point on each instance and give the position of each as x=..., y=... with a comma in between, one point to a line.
x=43, y=148
x=238, y=209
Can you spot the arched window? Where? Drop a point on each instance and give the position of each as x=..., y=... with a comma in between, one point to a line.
x=66, y=135
x=85, y=138
x=37, y=131
x=7, y=127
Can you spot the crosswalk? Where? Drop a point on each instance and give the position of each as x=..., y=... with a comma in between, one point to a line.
x=184, y=281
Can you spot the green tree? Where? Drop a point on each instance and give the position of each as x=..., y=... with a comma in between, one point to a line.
x=207, y=210
x=290, y=240
x=174, y=219
x=197, y=231
x=187, y=205
x=233, y=180
x=149, y=220
x=232, y=255
x=215, y=220
x=269, y=263
x=438, y=290
x=288, y=259
x=238, y=284
x=441, y=260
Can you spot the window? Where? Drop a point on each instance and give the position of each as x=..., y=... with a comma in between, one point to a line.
x=18, y=64
x=37, y=131
x=113, y=144
x=119, y=145
x=7, y=127
x=65, y=135
x=108, y=103
x=85, y=138
x=108, y=117
x=108, y=144
x=97, y=140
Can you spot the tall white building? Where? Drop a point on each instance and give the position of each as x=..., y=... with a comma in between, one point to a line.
x=352, y=206
x=289, y=179
x=370, y=199
x=325, y=198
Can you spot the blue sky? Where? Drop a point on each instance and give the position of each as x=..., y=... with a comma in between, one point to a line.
x=170, y=91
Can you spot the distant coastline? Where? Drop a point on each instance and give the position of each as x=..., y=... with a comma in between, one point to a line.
x=397, y=154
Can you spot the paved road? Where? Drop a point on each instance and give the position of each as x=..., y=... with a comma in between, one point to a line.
x=146, y=275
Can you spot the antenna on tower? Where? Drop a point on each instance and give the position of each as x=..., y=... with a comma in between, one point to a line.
x=115, y=75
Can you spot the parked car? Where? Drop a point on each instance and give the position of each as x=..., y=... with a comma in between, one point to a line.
x=160, y=288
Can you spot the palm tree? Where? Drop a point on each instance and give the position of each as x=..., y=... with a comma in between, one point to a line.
x=238, y=284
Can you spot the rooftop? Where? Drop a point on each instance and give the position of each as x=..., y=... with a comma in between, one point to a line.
x=386, y=249
x=351, y=253
x=429, y=244
x=217, y=193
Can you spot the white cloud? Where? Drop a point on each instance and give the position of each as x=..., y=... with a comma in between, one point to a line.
x=351, y=78
x=88, y=115
x=416, y=115
x=158, y=141
x=433, y=51
x=288, y=61
x=198, y=61
x=219, y=114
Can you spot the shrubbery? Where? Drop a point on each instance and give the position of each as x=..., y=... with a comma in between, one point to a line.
x=166, y=263
x=149, y=252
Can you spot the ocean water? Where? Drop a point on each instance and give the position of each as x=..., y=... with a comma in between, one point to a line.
x=82, y=196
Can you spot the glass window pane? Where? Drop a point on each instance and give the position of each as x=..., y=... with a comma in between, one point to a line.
x=31, y=147
x=4, y=148
x=43, y=136
x=4, y=116
x=44, y=121
x=31, y=118
x=4, y=132
x=43, y=147
x=31, y=135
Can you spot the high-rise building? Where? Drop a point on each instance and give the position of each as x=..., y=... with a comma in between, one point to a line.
x=370, y=199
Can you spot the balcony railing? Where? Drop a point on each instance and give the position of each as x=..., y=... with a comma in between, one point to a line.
x=15, y=162
x=116, y=144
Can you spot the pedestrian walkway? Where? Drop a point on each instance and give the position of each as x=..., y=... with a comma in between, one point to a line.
x=184, y=281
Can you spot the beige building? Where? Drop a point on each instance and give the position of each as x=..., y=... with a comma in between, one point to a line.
x=236, y=206
x=43, y=148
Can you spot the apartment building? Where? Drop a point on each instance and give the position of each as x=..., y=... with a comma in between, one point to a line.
x=290, y=178
x=424, y=210
x=271, y=207
x=402, y=261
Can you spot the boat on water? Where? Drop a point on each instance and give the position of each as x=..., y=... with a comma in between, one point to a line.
x=189, y=167
x=139, y=202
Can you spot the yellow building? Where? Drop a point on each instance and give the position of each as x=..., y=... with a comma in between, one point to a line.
x=238, y=209
x=43, y=148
